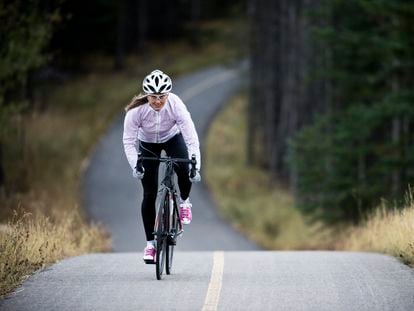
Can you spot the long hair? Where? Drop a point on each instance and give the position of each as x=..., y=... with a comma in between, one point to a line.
x=136, y=101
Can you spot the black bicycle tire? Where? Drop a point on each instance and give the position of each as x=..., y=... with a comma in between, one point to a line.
x=161, y=236
x=170, y=247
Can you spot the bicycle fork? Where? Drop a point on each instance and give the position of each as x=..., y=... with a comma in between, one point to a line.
x=174, y=217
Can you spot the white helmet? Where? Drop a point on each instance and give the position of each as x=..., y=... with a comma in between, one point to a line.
x=157, y=82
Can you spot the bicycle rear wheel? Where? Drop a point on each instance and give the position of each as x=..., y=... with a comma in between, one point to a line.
x=161, y=236
x=174, y=228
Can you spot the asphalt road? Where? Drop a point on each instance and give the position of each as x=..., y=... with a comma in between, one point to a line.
x=215, y=267
x=249, y=280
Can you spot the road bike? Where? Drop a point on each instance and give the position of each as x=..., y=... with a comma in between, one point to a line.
x=168, y=226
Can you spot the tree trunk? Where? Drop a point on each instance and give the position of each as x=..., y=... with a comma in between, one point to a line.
x=142, y=24
x=251, y=126
x=396, y=137
x=195, y=19
x=1, y=167
x=396, y=172
x=120, y=35
x=272, y=85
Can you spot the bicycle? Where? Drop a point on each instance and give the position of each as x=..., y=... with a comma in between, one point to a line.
x=168, y=226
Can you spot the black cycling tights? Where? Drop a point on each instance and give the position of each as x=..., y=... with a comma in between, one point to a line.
x=175, y=148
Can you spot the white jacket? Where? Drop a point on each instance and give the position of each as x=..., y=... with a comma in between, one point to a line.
x=148, y=125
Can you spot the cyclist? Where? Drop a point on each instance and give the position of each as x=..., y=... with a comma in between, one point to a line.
x=158, y=120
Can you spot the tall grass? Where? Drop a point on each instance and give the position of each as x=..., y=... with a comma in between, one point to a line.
x=29, y=242
x=385, y=231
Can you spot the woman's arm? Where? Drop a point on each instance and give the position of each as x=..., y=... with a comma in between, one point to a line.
x=187, y=128
x=130, y=136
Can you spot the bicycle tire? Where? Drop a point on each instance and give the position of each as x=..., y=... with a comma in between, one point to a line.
x=161, y=236
x=172, y=241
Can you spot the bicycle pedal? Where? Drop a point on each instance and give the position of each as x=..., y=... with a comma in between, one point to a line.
x=149, y=262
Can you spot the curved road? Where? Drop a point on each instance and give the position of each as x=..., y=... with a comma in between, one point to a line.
x=216, y=268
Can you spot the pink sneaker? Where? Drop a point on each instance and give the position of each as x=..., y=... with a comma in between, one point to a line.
x=149, y=254
x=185, y=212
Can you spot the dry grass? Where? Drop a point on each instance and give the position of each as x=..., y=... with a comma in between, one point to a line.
x=386, y=231
x=265, y=212
x=29, y=242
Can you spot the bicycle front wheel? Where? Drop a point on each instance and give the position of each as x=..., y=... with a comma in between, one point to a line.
x=172, y=237
x=162, y=234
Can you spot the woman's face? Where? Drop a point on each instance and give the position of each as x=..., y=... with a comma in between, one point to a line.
x=157, y=101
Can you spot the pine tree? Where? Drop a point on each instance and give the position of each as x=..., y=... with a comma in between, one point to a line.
x=360, y=152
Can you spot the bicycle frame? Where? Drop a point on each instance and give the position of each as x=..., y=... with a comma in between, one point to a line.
x=168, y=186
x=168, y=224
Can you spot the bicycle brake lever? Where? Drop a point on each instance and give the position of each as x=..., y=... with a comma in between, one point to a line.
x=139, y=167
x=193, y=166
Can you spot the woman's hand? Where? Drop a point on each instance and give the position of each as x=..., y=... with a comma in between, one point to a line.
x=137, y=174
x=196, y=178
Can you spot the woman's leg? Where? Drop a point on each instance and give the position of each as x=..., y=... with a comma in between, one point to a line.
x=176, y=148
x=150, y=186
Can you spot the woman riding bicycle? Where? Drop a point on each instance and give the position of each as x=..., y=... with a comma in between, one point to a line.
x=156, y=121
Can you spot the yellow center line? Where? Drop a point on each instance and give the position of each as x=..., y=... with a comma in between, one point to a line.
x=214, y=288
